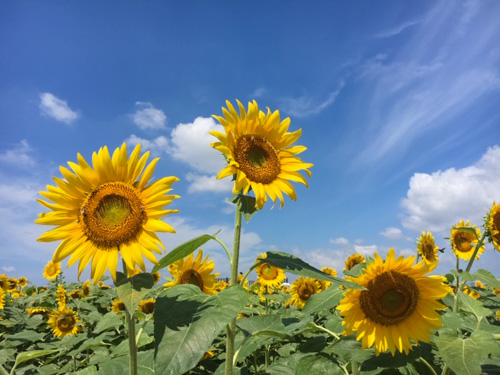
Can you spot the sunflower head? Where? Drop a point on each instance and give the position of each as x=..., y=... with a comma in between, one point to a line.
x=463, y=242
x=220, y=286
x=492, y=225
x=2, y=298
x=118, y=306
x=76, y=294
x=156, y=277
x=61, y=296
x=329, y=271
x=86, y=288
x=51, y=270
x=268, y=275
x=22, y=281
x=398, y=304
x=38, y=311
x=259, y=151
x=302, y=289
x=63, y=322
x=197, y=271
x=147, y=306
x=427, y=248
x=353, y=260
x=471, y=292
x=11, y=284
x=106, y=210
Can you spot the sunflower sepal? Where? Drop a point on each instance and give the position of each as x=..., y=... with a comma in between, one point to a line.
x=132, y=290
x=246, y=205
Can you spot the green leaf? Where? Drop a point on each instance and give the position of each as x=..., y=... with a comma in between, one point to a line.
x=473, y=306
x=246, y=205
x=465, y=356
x=26, y=336
x=263, y=324
x=132, y=290
x=187, y=321
x=317, y=365
x=297, y=266
x=182, y=251
x=487, y=278
x=92, y=370
x=27, y=356
x=109, y=321
x=327, y=299
x=120, y=365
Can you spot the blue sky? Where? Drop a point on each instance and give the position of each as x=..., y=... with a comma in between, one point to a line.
x=398, y=104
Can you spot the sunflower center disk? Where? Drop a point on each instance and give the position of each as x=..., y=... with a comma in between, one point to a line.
x=390, y=298
x=463, y=242
x=305, y=292
x=192, y=277
x=257, y=158
x=428, y=251
x=269, y=272
x=66, y=323
x=113, y=214
x=496, y=225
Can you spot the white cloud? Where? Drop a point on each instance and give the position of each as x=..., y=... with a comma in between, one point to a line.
x=396, y=30
x=439, y=200
x=18, y=156
x=157, y=146
x=149, y=117
x=191, y=144
x=392, y=233
x=204, y=183
x=339, y=241
x=306, y=105
x=8, y=269
x=366, y=250
x=259, y=92
x=56, y=108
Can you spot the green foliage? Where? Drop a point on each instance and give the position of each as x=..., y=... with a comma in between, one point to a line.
x=246, y=205
x=132, y=290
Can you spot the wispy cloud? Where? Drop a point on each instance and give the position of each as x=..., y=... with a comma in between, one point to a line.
x=157, y=146
x=58, y=109
x=8, y=268
x=443, y=70
x=19, y=156
x=307, y=105
x=396, y=30
x=147, y=117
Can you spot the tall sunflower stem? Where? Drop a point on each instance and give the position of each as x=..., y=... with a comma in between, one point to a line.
x=131, y=343
x=231, y=328
x=247, y=273
x=354, y=368
x=457, y=287
x=476, y=250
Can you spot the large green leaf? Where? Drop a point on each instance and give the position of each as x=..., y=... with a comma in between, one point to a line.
x=465, y=356
x=327, y=299
x=246, y=205
x=473, y=306
x=108, y=321
x=182, y=251
x=27, y=356
x=264, y=324
x=488, y=278
x=120, y=365
x=186, y=322
x=317, y=365
x=297, y=266
x=132, y=290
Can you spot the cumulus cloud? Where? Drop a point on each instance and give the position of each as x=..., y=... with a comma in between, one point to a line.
x=19, y=155
x=147, y=117
x=392, y=233
x=157, y=146
x=439, y=200
x=58, y=109
x=8, y=268
x=208, y=183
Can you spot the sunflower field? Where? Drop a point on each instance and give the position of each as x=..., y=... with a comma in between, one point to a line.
x=376, y=316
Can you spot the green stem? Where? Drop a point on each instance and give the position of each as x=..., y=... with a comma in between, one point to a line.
x=247, y=273
x=354, y=368
x=319, y=328
x=266, y=357
x=225, y=249
x=131, y=343
x=445, y=370
x=231, y=327
x=428, y=365
x=476, y=250
x=457, y=287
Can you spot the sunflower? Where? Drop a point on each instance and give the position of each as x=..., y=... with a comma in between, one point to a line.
x=2, y=298
x=220, y=286
x=463, y=243
x=51, y=270
x=398, y=304
x=86, y=288
x=4, y=282
x=118, y=306
x=107, y=210
x=302, y=289
x=101, y=285
x=268, y=275
x=194, y=271
x=63, y=322
x=329, y=271
x=471, y=292
x=260, y=154
x=479, y=284
x=22, y=281
x=32, y=311
x=156, y=277
x=493, y=225
x=147, y=306
x=427, y=248
x=76, y=294
x=61, y=296
x=353, y=260
x=496, y=292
